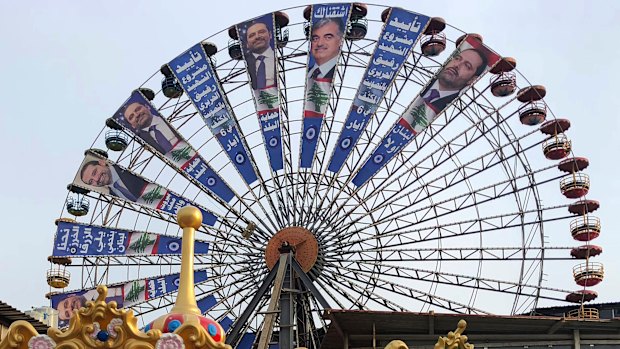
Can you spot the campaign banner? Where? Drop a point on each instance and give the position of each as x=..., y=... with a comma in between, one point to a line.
x=257, y=42
x=76, y=240
x=194, y=71
x=138, y=117
x=106, y=177
x=466, y=65
x=205, y=304
x=328, y=25
x=125, y=295
x=226, y=323
x=400, y=33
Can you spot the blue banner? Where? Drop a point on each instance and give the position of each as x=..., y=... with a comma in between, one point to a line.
x=194, y=71
x=464, y=67
x=125, y=295
x=106, y=177
x=76, y=239
x=400, y=32
x=327, y=31
x=138, y=117
x=226, y=323
x=257, y=40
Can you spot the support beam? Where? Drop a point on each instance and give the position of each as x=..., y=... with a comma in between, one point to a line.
x=309, y=284
x=576, y=339
x=235, y=333
x=270, y=317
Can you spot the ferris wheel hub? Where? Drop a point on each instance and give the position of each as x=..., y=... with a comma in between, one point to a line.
x=297, y=239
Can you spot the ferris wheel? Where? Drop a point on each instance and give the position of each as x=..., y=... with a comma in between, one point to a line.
x=343, y=156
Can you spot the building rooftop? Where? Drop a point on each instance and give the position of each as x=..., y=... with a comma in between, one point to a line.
x=361, y=328
x=8, y=315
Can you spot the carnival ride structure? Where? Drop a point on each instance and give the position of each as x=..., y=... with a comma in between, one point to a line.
x=353, y=181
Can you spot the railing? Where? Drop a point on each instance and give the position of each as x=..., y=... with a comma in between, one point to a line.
x=590, y=269
x=583, y=313
x=560, y=141
x=585, y=223
x=575, y=180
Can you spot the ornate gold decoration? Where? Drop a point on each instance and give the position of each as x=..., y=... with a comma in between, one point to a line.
x=120, y=327
x=18, y=335
x=396, y=344
x=87, y=322
x=455, y=339
x=101, y=325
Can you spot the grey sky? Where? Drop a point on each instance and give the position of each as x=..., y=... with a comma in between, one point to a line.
x=67, y=65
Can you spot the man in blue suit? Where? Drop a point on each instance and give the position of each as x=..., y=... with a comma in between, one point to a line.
x=153, y=129
x=120, y=183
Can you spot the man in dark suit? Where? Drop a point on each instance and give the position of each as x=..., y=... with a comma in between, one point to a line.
x=325, y=42
x=260, y=57
x=120, y=183
x=461, y=71
x=151, y=128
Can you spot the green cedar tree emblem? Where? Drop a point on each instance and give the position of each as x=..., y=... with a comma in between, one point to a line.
x=267, y=98
x=317, y=96
x=181, y=154
x=153, y=195
x=419, y=116
x=142, y=243
x=134, y=292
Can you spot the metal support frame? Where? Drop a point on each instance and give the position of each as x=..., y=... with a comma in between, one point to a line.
x=283, y=276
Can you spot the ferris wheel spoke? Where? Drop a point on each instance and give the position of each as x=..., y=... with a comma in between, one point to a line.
x=461, y=280
x=344, y=290
x=351, y=282
x=404, y=218
x=424, y=297
x=479, y=225
x=233, y=137
x=110, y=203
x=419, y=143
x=321, y=147
x=467, y=170
x=360, y=56
x=446, y=254
x=287, y=181
x=411, y=71
x=234, y=299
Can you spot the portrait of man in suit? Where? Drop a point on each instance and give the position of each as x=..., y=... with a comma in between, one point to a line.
x=260, y=56
x=325, y=41
x=153, y=129
x=461, y=71
x=118, y=182
x=69, y=304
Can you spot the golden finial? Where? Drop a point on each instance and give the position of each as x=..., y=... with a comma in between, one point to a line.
x=189, y=217
x=185, y=318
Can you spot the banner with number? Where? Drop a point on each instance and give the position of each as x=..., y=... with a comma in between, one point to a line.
x=328, y=26
x=466, y=65
x=257, y=43
x=400, y=33
x=194, y=71
x=137, y=116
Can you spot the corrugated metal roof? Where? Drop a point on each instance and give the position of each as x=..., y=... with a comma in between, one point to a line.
x=8, y=315
x=359, y=326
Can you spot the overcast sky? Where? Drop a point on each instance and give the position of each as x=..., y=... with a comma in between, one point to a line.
x=67, y=65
